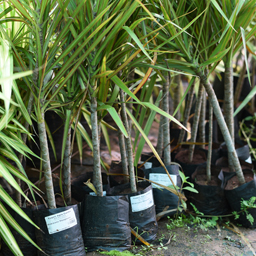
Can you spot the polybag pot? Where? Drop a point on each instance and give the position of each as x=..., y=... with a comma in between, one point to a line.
x=25, y=246
x=142, y=213
x=223, y=163
x=210, y=199
x=189, y=168
x=61, y=231
x=242, y=151
x=164, y=199
x=105, y=223
x=235, y=195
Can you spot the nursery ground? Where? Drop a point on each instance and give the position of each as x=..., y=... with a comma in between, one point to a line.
x=187, y=240
x=194, y=241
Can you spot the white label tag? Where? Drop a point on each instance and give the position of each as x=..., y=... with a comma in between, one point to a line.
x=142, y=202
x=61, y=221
x=148, y=165
x=249, y=160
x=162, y=179
x=93, y=194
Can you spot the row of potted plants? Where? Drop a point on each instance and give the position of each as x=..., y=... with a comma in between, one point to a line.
x=81, y=54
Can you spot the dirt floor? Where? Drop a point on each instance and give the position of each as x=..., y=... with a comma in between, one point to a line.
x=178, y=238
x=194, y=241
x=175, y=237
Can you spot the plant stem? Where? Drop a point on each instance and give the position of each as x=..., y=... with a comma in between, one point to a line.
x=209, y=156
x=166, y=123
x=228, y=94
x=131, y=77
x=222, y=124
x=67, y=169
x=46, y=161
x=160, y=138
x=187, y=112
x=229, y=100
x=202, y=120
x=195, y=122
x=123, y=156
x=97, y=180
x=239, y=85
x=128, y=144
x=176, y=98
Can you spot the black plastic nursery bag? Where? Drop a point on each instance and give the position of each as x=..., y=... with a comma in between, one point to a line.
x=210, y=199
x=62, y=231
x=245, y=192
x=142, y=211
x=105, y=223
x=163, y=197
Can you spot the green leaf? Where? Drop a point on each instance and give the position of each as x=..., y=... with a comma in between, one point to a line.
x=214, y=2
x=8, y=238
x=160, y=111
x=146, y=131
x=216, y=57
x=145, y=137
x=106, y=137
x=9, y=201
x=21, y=103
x=184, y=95
x=245, y=57
x=246, y=100
x=111, y=110
x=65, y=135
x=8, y=217
x=120, y=84
x=182, y=176
x=136, y=39
x=191, y=189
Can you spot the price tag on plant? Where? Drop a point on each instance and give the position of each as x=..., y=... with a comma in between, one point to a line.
x=148, y=165
x=162, y=179
x=142, y=202
x=61, y=221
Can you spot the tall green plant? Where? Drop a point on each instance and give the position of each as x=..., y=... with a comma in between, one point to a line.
x=204, y=44
x=11, y=132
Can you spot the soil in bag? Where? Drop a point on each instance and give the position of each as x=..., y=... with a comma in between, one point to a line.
x=188, y=168
x=61, y=231
x=25, y=246
x=142, y=211
x=105, y=223
x=210, y=199
x=164, y=199
x=235, y=193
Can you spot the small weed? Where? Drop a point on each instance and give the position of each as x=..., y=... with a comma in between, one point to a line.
x=161, y=238
x=145, y=250
x=117, y=253
x=179, y=222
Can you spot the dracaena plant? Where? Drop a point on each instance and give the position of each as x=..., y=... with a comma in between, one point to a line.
x=12, y=110
x=201, y=47
x=105, y=55
x=49, y=50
